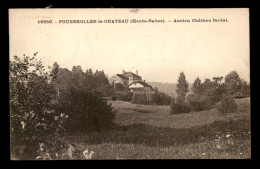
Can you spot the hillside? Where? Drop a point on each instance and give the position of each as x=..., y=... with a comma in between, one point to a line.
x=152, y=132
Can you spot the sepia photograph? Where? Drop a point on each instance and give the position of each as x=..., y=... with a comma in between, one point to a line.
x=129, y=83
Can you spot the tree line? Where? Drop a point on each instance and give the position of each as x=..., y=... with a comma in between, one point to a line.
x=96, y=81
x=205, y=95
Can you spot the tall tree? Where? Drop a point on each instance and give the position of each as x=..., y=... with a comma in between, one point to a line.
x=196, y=88
x=78, y=76
x=182, y=87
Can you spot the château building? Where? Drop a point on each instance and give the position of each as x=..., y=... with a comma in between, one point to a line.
x=133, y=83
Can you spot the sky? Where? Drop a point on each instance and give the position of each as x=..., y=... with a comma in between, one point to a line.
x=159, y=51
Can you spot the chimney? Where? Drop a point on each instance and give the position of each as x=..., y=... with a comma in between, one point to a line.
x=144, y=81
x=137, y=72
x=123, y=71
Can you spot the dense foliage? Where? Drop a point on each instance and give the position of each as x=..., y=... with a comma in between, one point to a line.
x=96, y=82
x=205, y=95
x=32, y=117
x=86, y=110
x=45, y=105
x=160, y=98
x=123, y=95
x=140, y=99
x=179, y=106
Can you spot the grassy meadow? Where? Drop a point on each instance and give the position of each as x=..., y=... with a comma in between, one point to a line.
x=152, y=132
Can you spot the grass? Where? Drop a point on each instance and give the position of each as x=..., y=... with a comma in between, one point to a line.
x=152, y=132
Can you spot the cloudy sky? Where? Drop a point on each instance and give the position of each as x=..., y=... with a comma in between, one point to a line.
x=159, y=51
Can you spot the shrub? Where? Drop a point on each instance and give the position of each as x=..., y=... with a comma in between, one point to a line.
x=197, y=106
x=140, y=99
x=200, y=102
x=124, y=96
x=86, y=109
x=227, y=105
x=179, y=106
x=161, y=98
x=32, y=117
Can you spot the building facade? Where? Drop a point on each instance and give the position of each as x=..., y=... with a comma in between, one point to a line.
x=133, y=83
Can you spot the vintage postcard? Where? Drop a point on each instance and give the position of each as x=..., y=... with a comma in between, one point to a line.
x=129, y=84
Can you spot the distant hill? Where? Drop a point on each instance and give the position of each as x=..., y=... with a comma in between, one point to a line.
x=167, y=88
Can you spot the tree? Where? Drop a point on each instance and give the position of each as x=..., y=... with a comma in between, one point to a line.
x=77, y=70
x=206, y=94
x=179, y=105
x=31, y=112
x=207, y=86
x=100, y=78
x=64, y=77
x=217, y=80
x=78, y=76
x=218, y=89
x=90, y=72
x=245, y=88
x=232, y=83
x=54, y=71
x=182, y=87
x=89, y=79
x=196, y=88
x=101, y=84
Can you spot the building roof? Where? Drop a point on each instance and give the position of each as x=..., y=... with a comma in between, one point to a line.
x=126, y=75
x=122, y=76
x=142, y=83
x=130, y=74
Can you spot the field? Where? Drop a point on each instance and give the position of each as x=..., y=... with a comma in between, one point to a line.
x=152, y=132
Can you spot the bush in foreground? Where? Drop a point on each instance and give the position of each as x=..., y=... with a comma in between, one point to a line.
x=32, y=116
x=85, y=109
